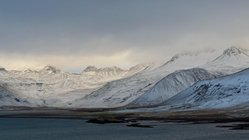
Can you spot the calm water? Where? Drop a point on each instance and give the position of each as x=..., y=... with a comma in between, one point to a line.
x=65, y=129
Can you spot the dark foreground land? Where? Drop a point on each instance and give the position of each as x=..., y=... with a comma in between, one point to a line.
x=52, y=123
x=79, y=129
x=230, y=114
x=104, y=116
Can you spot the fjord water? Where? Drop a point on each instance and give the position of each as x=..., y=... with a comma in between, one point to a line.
x=72, y=129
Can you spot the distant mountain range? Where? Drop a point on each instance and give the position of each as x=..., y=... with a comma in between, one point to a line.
x=205, y=79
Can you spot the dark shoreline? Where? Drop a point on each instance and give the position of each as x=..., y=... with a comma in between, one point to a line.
x=100, y=116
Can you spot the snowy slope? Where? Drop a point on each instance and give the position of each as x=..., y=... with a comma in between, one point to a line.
x=170, y=86
x=24, y=89
x=62, y=81
x=148, y=88
x=141, y=85
x=231, y=60
x=52, y=87
x=122, y=92
x=113, y=73
x=222, y=92
x=7, y=98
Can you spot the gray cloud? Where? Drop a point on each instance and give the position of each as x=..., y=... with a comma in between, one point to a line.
x=96, y=28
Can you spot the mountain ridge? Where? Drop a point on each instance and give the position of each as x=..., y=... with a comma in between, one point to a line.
x=110, y=87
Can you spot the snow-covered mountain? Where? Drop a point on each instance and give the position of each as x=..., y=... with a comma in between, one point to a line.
x=108, y=72
x=222, y=92
x=189, y=60
x=231, y=60
x=122, y=92
x=113, y=73
x=91, y=77
x=170, y=86
x=8, y=98
x=52, y=87
x=157, y=85
x=49, y=70
x=139, y=86
x=3, y=72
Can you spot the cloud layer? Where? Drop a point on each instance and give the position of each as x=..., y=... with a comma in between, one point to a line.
x=77, y=33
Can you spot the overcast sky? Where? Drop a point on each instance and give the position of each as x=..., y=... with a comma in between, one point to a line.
x=72, y=34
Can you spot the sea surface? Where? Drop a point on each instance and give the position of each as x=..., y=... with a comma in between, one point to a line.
x=76, y=129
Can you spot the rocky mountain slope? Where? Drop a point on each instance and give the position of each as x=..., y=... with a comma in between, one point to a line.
x=222, y=92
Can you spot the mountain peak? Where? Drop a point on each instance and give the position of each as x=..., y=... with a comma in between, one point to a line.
x=94, y=69
x=50, y=69
x=233, y=51
x=180, y=55
x=114, y=68
x=232, y=58
x=2, y=69
x=90, y=68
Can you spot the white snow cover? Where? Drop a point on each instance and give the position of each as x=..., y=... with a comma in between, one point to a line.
x=53, y=87
x=170, y=86
x=122, y=92
x=141, y=85
x=222, y=92
x=231, y=60
x=7, y=98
